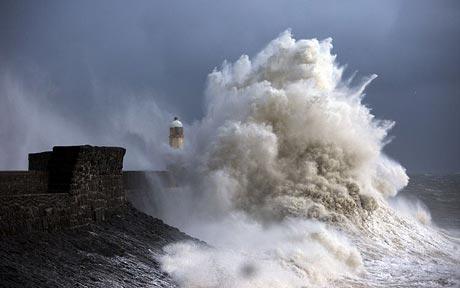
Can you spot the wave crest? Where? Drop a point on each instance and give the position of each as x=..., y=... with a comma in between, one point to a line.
x=296, y=137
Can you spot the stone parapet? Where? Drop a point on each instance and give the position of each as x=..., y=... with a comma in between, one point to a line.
x=23, y=182
x=66, y=187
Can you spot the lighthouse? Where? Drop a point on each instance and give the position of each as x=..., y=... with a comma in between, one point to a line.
x=176, y=134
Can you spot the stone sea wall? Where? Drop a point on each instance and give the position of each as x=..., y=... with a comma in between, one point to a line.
x=67, y=187
x=23, y=182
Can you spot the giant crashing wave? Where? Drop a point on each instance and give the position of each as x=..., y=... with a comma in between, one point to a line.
x=286, y=139
x=294, y=138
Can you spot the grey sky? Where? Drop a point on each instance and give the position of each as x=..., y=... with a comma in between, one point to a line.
x=87, y=55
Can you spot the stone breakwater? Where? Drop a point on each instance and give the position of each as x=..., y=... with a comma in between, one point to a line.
x=122, y=251
x=82, y=195
x=64, y=188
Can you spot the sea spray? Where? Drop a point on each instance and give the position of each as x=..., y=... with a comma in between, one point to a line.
x=284, y=135
x=28, y=123
x=412, y=207
x=285, y=143
x=292, y=253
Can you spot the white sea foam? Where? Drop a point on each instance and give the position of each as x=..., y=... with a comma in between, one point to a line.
x=292, y=253
x=286, y=139
x=284, y=135
x=285, y=129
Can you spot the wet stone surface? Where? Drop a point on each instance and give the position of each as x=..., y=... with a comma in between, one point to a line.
x=121, y=252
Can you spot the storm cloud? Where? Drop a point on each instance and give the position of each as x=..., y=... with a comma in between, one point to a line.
x=87, y=62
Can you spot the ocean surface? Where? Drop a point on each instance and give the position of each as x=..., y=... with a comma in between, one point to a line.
x=441, y=195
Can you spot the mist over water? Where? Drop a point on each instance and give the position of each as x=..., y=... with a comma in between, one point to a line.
x=30, y=123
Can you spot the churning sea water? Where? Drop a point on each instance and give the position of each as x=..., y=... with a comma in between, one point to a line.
x=441, y=195
x=287, y=180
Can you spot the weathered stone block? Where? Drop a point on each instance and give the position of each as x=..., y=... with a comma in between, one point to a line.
x=68, y=187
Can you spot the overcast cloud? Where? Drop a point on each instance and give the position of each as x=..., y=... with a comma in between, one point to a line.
x=87, y=59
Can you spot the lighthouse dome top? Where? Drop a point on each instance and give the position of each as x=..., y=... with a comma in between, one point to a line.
x=176, y=123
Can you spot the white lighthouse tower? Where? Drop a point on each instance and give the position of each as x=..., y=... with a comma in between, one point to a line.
x=176, y=134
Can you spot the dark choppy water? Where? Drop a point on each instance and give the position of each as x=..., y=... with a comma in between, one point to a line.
x=441, y=194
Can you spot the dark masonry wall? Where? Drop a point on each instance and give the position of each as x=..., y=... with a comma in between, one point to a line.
x=67, y=187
